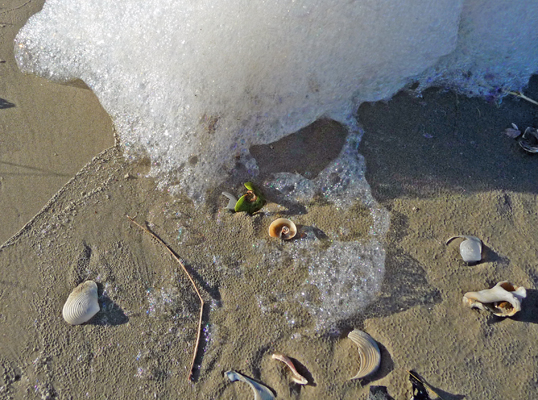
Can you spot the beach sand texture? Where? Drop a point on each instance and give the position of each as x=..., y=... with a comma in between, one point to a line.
x=439, y=164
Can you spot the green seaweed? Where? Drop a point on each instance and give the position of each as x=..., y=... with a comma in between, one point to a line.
x=252, y=201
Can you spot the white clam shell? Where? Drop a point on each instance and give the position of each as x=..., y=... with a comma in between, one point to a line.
x=470, y=248
x=503, y=299
x=369, y=354
x=82, y=304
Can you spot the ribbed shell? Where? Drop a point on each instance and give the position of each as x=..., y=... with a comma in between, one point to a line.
x=82, y=304
x=282, y=228
x=370, y=356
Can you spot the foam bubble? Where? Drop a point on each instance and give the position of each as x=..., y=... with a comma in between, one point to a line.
x=195, y=84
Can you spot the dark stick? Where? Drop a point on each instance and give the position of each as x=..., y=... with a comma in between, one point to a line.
x=193, y=285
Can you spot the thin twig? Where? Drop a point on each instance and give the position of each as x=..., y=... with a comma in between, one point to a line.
x=522, y=96
x=193, y=285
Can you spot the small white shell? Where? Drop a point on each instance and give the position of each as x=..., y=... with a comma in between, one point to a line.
x=503, y=299
x=282, y=228
x=370, y=356
x=82, y=304
x=232, y=200
x=470, y=248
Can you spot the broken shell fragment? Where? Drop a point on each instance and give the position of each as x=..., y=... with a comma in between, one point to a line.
x=513, y=132
x=504, y=299
x=470, y=248
x=232, y=200
x=261, y=392
x=82, y=304
x=369, y=354
x=295, y=376
x=282, y=228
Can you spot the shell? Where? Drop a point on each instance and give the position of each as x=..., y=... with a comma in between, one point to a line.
x=295, y=376
x=82, y=304
x=470, y=248
x=370, y=356
x=282, y=228
x=529, y=140
x=513, y=132
x=232, y=200
x=261, y=392
x=504, y=299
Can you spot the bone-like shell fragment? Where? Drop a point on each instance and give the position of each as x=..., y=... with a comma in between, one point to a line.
x=261, y=392
x=295, y=376
x=369, y=354
x=232, y=200
x=82, y=304
x=470, y=248
x=504, y=299
x=282, y=228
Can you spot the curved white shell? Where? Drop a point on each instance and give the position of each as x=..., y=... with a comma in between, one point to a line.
x=503, y=299
x=82, y=304
x=370, y=356
x=470, y=248
x=261, y=392
x=232, y=200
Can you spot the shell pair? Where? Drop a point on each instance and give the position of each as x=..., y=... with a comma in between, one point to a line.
x=528, y=140
x=82, y=304
x=262, y=392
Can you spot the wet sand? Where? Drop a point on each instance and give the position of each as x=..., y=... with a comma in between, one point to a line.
x=441, y=166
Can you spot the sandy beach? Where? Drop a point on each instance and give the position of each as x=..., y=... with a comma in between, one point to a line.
x=439, y=163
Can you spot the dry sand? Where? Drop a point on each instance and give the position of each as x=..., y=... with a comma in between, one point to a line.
x=439, y=164
x=48, y=131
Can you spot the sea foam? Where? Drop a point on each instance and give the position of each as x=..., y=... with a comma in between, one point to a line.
x=194, y=84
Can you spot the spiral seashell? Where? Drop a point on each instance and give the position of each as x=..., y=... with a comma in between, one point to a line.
x=295, y=376
x=370, y=356
x=282, y=228
x=503, y=299
x=470, y=248
x=82, y=304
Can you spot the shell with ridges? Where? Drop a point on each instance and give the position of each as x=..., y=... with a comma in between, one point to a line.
x=503, y=299
x=369, y=354
x=82, y=304
x=282, y=228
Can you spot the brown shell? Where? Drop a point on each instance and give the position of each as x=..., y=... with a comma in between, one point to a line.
x=295, y=375
x=282, y=228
